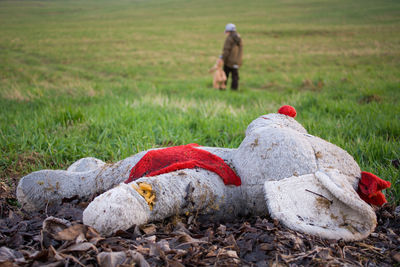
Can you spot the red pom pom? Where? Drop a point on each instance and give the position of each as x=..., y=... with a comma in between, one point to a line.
x=287, y=110
x=369, y=189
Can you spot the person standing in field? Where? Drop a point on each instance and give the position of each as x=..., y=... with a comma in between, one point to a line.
x=232, y=54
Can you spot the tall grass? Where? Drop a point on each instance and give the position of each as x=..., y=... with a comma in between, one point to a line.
x=111, y=78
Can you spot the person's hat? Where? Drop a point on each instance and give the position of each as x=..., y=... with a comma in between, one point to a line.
x=230, y=27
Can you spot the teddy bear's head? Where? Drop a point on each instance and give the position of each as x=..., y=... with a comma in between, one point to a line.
x=309, y=184
x=274, y=148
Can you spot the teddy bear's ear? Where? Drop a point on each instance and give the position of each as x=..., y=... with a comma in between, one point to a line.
x=322, y=204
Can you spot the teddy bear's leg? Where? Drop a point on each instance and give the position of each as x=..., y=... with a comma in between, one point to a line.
x=323, y=204
x=215, y=83
x=83, y=178
x=188, y=190
x=222, y=85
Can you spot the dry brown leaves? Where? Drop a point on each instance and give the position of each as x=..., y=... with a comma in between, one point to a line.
x=59, y=238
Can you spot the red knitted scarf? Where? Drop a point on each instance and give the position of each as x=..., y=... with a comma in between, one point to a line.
x=175, y=158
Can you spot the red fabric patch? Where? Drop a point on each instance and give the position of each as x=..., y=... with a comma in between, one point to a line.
x=287, y=110
x=369, y=189
x=175, y=158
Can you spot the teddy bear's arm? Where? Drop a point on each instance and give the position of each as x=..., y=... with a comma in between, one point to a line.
x=181, y=192
x=214, y=68
x=85, y=177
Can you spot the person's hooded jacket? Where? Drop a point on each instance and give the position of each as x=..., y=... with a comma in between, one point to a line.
x=233, y=50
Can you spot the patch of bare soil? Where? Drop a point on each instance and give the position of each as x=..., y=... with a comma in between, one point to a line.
x=57, y=237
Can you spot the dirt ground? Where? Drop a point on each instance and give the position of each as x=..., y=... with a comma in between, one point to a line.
x=57, y=237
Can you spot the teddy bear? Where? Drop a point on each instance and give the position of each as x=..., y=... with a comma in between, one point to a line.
x=305, y=182
x=219, y=76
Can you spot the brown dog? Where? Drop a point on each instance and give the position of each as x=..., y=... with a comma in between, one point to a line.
x=219, y=78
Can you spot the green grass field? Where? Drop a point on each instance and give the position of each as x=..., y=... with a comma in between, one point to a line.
x=111, y=78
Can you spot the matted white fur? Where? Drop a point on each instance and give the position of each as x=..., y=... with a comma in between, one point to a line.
x=86, y=164
x=277, y=121
x=83, y=178
x=314, y=204
x=118, y=208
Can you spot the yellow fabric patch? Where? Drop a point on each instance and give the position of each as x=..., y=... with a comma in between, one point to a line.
x=146, y=191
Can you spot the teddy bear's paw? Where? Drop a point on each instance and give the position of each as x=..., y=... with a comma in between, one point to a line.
x=44, y=188
x=322, y=204
x=117, y=209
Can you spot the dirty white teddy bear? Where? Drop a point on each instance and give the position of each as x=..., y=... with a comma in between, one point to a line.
x=308, y=184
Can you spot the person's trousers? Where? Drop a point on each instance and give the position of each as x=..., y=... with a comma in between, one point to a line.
x=235, y=76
